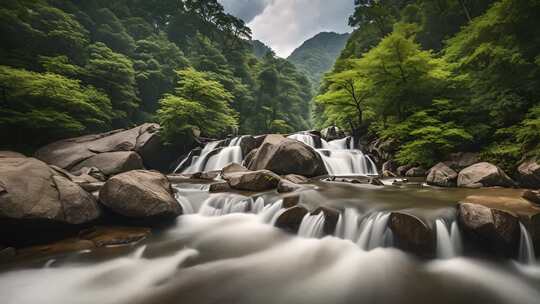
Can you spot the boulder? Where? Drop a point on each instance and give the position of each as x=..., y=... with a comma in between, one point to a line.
x=249, y=158
x=412, y=234
x=461, y=160
x=402, y=170
x=441, y=175
x=34, y=197
x=11, y=154
x=529, y=174
x=286, y=186
x=295, y=178
x=483, y=175
x=416, y=172
x=291, y=219
x=383, y=149
x=249, y=143
x=143, y=140
x=287, y=156
x=232, y=169
x=140, y=194
x=331, y=217
x=260, y=180
x=390, y=166
x=209, y=176
x=493, y=230
x=219, y=187
x=114, y=236
x=375, y=182
x=532, y=196
x=332, y=133
x=112, y=163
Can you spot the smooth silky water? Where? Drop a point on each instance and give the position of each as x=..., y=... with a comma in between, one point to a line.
x=225, y=250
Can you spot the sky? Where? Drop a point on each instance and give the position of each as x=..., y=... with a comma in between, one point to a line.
x=285, y=24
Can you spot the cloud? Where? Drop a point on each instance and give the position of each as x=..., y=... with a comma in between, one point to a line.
x=285, y=24
x=245, y=9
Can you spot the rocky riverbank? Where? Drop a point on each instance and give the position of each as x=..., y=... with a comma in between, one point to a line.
x=97, y=191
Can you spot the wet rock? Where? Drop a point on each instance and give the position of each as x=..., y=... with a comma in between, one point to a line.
x=376, y=182
x=220, y=187
x=495, y=231
x=11, y=154
x=416, y=172
x=211, y=175
x=391, y=167
x=286, y=186
x=34, y=197
x=6, y=253
x=249, y=158
x=249, y=143
x=529, y=174
x=291, y=219
x=287, y=156
x=60, y=247
x=442, y=175
x=461, y=160
x=112, y=163
x=332, y=133
x=260, y=180
x=331, y=217
x=402, y=170
x=387, y=173
x=483, y=175
x=140, y=194
x=291, y=201
x=532, y=196
x=232, y=169
x=383, y=149
x=412, y=234
x=113, y=236
x=90, y=171
x=295, y=178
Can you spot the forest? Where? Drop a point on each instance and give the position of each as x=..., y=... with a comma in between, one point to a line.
x=70, y=68
x=439, y=77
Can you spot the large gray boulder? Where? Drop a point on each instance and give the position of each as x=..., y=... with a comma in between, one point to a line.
x=140, y=194
x=529, y=174
x=416, y=172
x=287, y=156
x=36, y=201
x=291, y=219
x=112, y=163
x=412, y=234
x=260, y=180
x=492, y=230
x=483, y=175
x=70, y=153
x=441, y=175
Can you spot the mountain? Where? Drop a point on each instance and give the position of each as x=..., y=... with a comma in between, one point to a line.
x=260, y=49
x=317, y=55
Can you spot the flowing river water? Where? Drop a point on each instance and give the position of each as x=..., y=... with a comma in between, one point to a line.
x=225, y=249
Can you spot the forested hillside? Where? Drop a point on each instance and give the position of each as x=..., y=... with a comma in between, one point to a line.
x=77, y=67
x=317, y=55
x=439, y=77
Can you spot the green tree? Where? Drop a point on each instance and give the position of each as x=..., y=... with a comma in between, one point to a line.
x=198, y=102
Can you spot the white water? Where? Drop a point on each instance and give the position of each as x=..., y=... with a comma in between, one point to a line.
x=212, y=160
x=225, y=204
x=312, y=226
x=340, y=156
x=448, y=242
x=526, y=247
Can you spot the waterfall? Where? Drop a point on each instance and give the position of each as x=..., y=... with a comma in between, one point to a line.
x=374, y=232
x=526, y=247
x=312, y=226
x=224, y=204
x=213, y=157
x=448, y=242
x=305, y=138
x=187, y=207
x=271, y=212
x=257, y=206
x=347, y=226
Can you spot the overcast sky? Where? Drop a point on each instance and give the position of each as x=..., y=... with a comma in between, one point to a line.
x=285, y=24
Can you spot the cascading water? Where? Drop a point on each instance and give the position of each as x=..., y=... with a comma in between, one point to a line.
x=448, y=241
x=214, y=157
x=340, y=156
x=526, y=247
x=312, y=226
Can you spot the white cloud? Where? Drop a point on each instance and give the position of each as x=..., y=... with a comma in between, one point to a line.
x=285, y=24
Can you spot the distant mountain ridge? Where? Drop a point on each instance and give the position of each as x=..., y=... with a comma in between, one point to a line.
x=317, y=55
x=260, y=49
